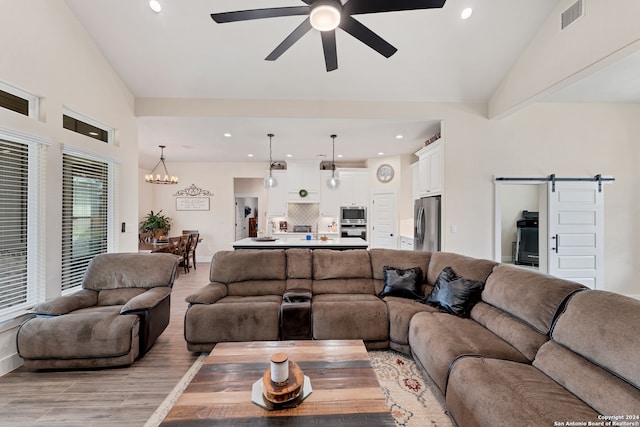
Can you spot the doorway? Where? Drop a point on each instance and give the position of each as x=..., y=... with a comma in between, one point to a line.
x=516, y=203
x=246, y=217
x=571, y=225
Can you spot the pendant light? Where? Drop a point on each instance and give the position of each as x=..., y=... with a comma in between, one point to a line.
x=333, y=182
x=159, y=179
x=270, y=181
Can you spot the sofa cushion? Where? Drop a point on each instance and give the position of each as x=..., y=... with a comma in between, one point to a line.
x=349, y=316
x=299, y=264
x=118, y=296
x=439, y=338
x=256, y=287
x=598, y=326
x=350, y=264
x=252, y=319
x=248, y=264
x=401, y=310
x=67, y=303
x=533, y=297
x=612, y=395
x=401, y=259
x=95, y=334
x=130, y=270
x=455, y=295
x=404, y=283
x=467, y=267
x=511, y=329
x=490, y=392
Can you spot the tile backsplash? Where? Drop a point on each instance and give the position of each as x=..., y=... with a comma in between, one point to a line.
x=305, y=214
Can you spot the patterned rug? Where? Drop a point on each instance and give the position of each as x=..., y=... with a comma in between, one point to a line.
x=412, y=400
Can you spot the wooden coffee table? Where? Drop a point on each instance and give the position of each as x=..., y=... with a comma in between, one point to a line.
x=346, y=391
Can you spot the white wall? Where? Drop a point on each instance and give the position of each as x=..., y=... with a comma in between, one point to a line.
x=566, y=139
x=217, y=225
x=46, y=52
x=557, y=58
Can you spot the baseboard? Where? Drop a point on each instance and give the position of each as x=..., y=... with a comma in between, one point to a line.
x=637, y=296
x=10, y=363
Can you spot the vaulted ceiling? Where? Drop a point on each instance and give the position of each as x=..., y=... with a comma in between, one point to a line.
x=182, y=53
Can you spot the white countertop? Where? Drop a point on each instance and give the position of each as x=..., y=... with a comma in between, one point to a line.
x=300, y=242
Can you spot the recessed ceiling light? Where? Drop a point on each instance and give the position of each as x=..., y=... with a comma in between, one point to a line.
x=381, y=154
x=227, y=135
x=155, y=6
x=399, y=136
x=339, y=155
x=250, y=155
x=466, y=13
x=289, y=155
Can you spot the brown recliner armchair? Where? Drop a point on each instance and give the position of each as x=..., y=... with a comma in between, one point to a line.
x=116, y=317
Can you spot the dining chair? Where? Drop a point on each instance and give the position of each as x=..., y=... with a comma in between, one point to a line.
x=177, y=247
x=145, y=237
x=191, y=253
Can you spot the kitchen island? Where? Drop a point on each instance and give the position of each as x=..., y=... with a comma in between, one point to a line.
x=340, y=243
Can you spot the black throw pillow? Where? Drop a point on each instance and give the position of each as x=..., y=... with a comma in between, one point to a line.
x=454, y=294
x=405, y=283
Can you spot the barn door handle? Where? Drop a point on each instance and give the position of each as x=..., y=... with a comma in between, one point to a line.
x=557, y=239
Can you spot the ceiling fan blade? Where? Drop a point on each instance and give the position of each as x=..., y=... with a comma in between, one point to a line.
x=245, y=15
x=295, y=35
x=366, y=36
x=330, y=51
x=355, y=7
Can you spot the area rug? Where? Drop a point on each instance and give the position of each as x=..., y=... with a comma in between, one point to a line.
x=412, y=400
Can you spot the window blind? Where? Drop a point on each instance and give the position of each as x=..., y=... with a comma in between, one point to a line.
x=85, y=194
x=21, y=240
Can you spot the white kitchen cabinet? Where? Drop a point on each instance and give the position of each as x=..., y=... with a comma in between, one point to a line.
x=406, y=243
x=430, y=170
x=303, y=176
x=277, y=196
x=415, y=183
x=329, y=197
x=354, y=187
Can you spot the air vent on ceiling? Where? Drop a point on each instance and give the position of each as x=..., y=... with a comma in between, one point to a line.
x=570, y=15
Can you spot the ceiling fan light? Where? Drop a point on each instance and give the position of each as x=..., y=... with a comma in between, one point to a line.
x=325, y=17
x=155, y=6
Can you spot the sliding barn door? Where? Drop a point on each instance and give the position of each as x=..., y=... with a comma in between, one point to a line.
x=576, y=232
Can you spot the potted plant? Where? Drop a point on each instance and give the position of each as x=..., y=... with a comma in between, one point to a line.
x=156, y=223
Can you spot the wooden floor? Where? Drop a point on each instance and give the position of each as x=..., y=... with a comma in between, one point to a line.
x=109, y=397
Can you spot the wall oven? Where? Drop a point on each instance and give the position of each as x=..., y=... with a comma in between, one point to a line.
x=353, y=215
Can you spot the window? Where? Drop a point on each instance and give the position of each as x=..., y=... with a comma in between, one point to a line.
x=85, y=126
x=85, y=215
x=17, y=100
x=21, y=241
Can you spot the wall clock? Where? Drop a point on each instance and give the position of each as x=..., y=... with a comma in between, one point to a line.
x=385, y=173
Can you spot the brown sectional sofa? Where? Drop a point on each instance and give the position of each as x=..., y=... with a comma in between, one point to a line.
x=534, y=351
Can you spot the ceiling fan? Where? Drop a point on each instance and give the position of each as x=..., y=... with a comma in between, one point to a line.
x=326, y=16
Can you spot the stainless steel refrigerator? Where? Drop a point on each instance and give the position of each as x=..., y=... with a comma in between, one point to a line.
x=426, y=224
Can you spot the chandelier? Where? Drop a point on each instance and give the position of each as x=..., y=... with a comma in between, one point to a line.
x=333, y=182
x=157, y=178
x=270, y=181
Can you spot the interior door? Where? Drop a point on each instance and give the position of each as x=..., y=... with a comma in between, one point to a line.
x=576, y=232
x=384, y=221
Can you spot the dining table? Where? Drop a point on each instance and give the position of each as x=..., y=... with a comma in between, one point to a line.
x=153, y=247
